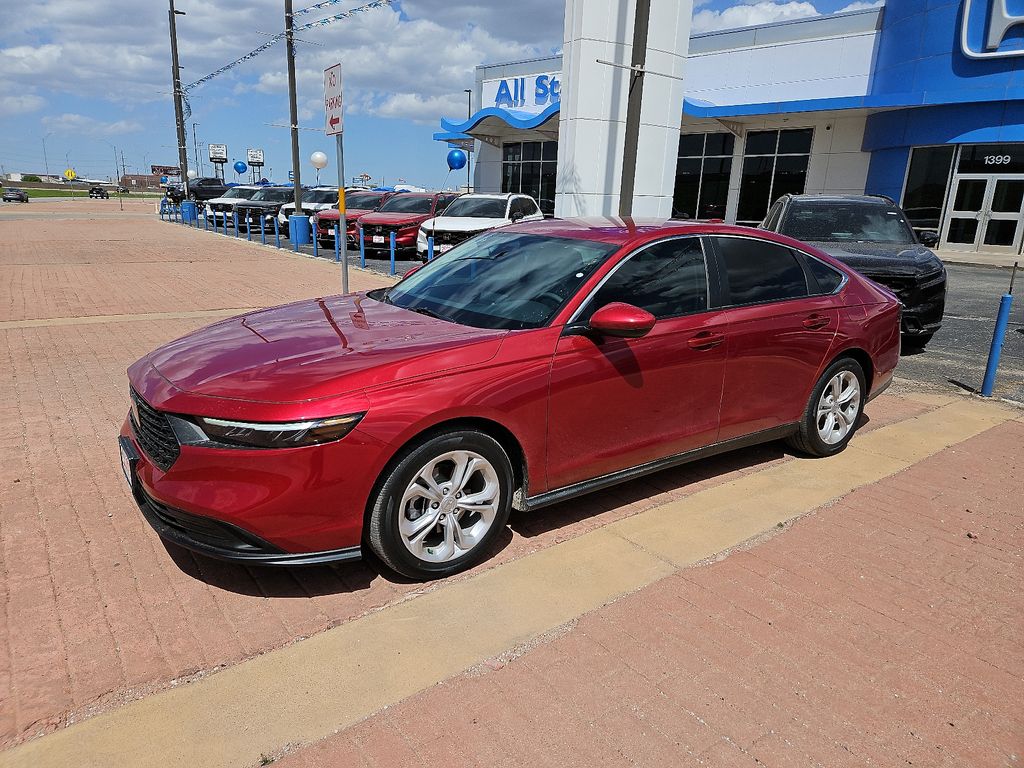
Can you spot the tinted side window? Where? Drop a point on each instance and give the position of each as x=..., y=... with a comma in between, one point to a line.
x=827, y=278
x=757, y=271
x=667, y=279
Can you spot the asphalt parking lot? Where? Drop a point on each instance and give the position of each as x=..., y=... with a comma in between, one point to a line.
x=756, y=606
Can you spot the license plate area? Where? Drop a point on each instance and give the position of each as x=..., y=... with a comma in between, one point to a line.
x=378, y=239
x=129, y=461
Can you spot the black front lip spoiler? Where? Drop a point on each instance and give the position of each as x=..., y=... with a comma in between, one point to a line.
x=267, y=554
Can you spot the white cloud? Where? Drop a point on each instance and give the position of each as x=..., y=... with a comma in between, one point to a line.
x=861, y=6
x=70, y=123
x=16, y=105
x=749, y=14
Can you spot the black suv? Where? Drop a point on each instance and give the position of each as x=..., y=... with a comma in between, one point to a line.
x=264, y=205
x=99, y=193
x=206, y=188
x=871, y=234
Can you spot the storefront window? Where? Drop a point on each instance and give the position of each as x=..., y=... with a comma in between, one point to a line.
x=530, y=167
x=927, y=180
x=702, y=175
x=774, y=164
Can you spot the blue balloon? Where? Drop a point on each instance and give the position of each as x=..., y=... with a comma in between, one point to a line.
x=240, y=167
x=456, y=160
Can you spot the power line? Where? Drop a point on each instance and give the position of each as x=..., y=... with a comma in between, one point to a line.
x=281, y=35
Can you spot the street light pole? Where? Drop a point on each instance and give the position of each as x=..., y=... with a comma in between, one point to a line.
x=469, y=155
x=179, y=113
x=46, y=163
x=195, y=146
x=293, y=102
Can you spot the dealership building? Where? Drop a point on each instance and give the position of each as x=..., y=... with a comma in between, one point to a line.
x=919, y=100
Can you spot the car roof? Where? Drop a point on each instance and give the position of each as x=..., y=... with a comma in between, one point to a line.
x=827, y=198
x=486, y=196
x=629, y=231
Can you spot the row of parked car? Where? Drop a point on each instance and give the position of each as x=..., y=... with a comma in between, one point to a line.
x=867, y=232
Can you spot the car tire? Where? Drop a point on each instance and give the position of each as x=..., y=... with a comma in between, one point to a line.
x=833, y=411
x=454, y=538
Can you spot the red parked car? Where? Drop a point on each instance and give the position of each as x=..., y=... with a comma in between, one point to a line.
x=357, y=205
x=402, y=214
x=524, y=367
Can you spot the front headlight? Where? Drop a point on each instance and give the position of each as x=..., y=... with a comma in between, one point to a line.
x=279, y=435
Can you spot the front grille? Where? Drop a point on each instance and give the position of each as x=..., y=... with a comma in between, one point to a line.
x=377, y=229
x=154, y=433
x=452, y=238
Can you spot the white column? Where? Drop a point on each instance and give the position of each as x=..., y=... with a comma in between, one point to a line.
x=593, y=113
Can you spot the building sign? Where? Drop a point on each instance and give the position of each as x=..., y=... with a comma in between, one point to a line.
x=991, y=158
x=530, y=93
x=254, y=157
x=165, y=170
x=989, y=30
x=218, y=153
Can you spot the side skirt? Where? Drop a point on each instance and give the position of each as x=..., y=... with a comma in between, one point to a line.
x=632, y=473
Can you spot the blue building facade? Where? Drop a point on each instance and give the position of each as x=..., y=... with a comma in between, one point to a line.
x=919, y=100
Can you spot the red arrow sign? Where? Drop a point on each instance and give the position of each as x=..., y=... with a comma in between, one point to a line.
x=334, y=121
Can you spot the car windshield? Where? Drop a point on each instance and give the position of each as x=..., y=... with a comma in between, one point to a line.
x=321, y=196
x=477, y=208
x=273, y=196
x=838, y=222
x=407, y=204
x=500, y=280
x=242, y=193
x=361, y=201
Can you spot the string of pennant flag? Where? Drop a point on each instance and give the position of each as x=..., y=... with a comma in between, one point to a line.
x=280, y=36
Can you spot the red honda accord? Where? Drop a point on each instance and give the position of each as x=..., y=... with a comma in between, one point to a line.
x=526, y=366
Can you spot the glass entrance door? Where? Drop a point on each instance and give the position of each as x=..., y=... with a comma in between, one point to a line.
x=984, y=213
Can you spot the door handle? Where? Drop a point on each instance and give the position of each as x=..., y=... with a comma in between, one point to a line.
x=706, y=340
x=816, y=322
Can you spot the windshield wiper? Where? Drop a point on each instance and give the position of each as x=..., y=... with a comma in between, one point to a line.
x=427, y=312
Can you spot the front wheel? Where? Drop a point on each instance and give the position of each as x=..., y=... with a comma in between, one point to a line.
x=441, y=505
x=834, y=410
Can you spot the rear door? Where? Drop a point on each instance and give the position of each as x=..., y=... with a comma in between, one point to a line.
x=779, y=333
x=617, y=403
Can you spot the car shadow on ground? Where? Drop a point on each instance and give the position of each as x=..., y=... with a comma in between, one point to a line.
x=352, y=577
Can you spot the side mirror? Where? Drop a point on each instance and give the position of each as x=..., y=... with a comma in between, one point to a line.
x=622, y=320
x=928, y=238
x=516, y=216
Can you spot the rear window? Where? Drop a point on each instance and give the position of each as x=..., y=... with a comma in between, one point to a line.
x=407, y=204
x=758, y=271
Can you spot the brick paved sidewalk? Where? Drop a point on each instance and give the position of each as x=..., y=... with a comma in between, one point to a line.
x=886, y=630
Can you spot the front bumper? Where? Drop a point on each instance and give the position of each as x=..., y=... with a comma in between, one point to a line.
x=298, y=506
x=923, y=299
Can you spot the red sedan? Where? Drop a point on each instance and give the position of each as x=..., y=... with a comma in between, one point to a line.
x=526, y=366
x=402, y=216
x=357, y=205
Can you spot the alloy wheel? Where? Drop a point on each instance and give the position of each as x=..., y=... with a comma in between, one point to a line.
x=838, y=407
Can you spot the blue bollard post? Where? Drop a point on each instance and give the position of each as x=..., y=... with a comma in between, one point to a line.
x=277, y=233
x=1002, y=320
x=234, y=222
x=248, y=229
x=316, y=244
x=337, y=243
x=430, y=248
x=263, y=231
x=224, y=218
x=206, y=223
x=362, y=248
x=392, y=253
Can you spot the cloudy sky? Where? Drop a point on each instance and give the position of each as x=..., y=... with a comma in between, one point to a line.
x=80, y=77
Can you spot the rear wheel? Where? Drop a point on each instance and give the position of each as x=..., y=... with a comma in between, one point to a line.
x=442, y=504
x=833, y=411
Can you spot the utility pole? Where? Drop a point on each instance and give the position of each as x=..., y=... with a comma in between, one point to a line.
x=120, y=198
x=179, y=114
x=636, y=95
x=124, y=169
x=293, y=102
x=469, y=155
x=46, y=163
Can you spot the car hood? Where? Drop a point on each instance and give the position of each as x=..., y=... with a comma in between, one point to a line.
x=227, y=200
x=463, y=224
x=308, y=206
x=883, y=258
x=319, y=348
x=393, y=219
x=266, y=205
x=350, y=214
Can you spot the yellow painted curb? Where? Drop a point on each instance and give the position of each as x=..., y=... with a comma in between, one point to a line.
x=318, y=686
